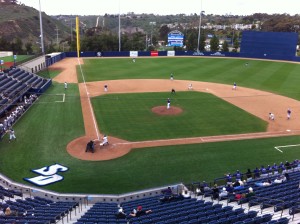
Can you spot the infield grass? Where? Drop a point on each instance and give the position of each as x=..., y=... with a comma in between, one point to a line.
x=129, y=116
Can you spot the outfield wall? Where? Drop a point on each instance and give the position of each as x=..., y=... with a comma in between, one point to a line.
x=179, y=53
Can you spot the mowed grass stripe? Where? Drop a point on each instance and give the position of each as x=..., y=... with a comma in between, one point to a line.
x=129, y=116
x=264, y=75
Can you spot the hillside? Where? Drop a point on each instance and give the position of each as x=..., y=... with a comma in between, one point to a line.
x=23, y=22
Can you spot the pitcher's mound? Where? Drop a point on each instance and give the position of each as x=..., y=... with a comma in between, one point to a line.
x=162, y=110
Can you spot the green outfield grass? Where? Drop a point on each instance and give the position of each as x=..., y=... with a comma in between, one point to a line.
x=45, y=130
x=129, y=116
x=277, y=77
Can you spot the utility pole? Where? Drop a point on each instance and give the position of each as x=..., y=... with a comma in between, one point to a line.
x=57, y=36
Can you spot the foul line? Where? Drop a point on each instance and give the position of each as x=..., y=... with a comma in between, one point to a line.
x=61, y=101
x=89, y=100
x=284, y=146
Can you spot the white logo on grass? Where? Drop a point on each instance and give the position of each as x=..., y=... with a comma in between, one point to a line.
x=48, y=175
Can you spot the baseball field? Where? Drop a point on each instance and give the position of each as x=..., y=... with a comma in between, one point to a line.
x=218, y=130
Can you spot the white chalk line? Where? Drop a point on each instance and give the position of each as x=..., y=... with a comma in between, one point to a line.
x=285, y=146
x=63, y=98
x=208, y=139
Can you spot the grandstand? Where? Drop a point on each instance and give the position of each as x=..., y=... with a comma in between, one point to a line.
x=277, y=203
x=15, y=83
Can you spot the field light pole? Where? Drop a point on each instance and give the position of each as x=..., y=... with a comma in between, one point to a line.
x=152, y=23
x=41, y=28
x=199, y=32
x=119, y=29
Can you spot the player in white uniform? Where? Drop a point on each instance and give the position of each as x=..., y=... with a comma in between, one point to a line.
x=234, y=86
x=289, y=111
x=104, y=141
x=168, y=103
x=11, y=135
x=66, y=85
x=271, y=116
x=190, y=87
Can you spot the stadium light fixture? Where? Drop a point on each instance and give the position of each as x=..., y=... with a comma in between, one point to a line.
x=199, y=32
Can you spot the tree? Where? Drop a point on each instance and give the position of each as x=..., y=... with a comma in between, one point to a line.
x=225, y=46
x=163, y=32
x=236, y=44
x=191, y=40
x=214, y=43
x=202, y=41
x=28, y=47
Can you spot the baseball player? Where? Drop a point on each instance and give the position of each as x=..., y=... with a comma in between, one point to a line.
x=271, y=116
x=11, y=135
x=104, y=141
x=105, y=88
x=234, y=86
x=66, y=85
x=171, y=77
x=190, y=87
x=168, y=103
x=289, y=111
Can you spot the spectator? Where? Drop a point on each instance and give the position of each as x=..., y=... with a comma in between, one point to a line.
x=275, y=168
x=215, y=192
x=140, y=212
x=238, y=175
x=229, y=188
x=280, y=179
x=251, y=193
x=229, y=178
x=256, y=173
x=263, y=184
x=7, y=211
x=287, y=165
x=186, y=194
x=223, y=193
x=249, y=175
x=167, y=191
x=120, y=214
x=263, y=171
x=287, y=176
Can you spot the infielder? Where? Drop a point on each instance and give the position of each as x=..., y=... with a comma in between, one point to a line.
x=289, y=111
x=271, y=116
x=234, y=86
x=168, y=103
x=66, y=85
x=105, y=88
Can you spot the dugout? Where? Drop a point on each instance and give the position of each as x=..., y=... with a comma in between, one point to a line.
x=269, y=45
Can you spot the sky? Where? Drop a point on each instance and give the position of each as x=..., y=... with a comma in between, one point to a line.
x=165, y=7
